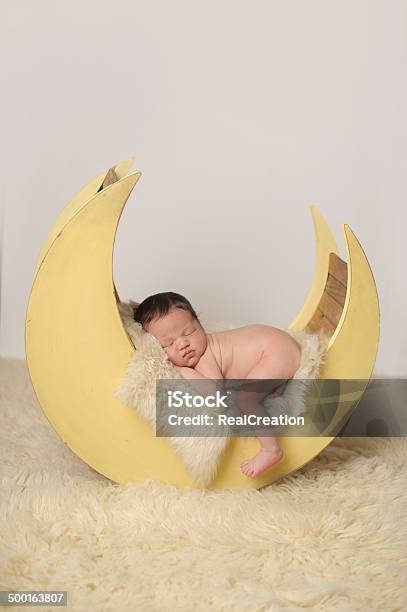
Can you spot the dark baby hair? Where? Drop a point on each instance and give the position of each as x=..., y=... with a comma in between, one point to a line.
x=158, y=305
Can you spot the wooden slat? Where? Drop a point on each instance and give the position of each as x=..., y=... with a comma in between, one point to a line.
x=320, y=322
x=330, y=308
x=336, y=290
x=110, y=178
x=338, y=269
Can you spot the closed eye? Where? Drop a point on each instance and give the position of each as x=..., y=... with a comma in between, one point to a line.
x=172, y=342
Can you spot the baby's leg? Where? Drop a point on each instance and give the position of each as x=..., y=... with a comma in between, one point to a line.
x=251, y=402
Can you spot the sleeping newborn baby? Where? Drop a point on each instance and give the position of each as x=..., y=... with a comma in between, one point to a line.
x=248, y=352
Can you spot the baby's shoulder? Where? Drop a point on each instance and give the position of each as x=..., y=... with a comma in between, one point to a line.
x=253, y=330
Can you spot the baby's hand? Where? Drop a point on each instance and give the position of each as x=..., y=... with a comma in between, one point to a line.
x=180, y=369
x=209, y=387
x=189, y=372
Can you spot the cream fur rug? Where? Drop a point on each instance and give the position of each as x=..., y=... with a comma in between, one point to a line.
x=149, y=362
x=332, y=536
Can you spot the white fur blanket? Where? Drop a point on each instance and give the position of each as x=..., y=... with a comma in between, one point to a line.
x=150, y=362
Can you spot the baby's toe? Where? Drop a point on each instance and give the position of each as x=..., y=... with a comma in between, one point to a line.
x=247, y=470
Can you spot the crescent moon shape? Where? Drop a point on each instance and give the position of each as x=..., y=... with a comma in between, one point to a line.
x=77, y=349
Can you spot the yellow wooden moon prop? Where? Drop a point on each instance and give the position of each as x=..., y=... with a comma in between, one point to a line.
x=77, y=348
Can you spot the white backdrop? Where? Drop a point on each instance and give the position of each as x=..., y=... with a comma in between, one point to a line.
x=240, y=115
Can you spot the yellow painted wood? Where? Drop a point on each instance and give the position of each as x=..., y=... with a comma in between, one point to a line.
x=352, y=350
x=77, y=348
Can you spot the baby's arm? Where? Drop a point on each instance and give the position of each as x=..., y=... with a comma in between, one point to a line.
x=209, y=387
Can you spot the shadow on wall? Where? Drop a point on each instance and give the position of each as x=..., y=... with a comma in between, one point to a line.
x=381, y=412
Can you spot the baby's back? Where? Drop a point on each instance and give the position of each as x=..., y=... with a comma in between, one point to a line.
x=238, y=350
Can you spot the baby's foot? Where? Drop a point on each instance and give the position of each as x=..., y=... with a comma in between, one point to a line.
x=260, y=462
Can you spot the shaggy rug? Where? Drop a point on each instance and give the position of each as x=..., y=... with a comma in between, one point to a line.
x=332, y=536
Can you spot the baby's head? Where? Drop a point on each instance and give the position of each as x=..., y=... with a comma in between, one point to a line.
x=170, y=318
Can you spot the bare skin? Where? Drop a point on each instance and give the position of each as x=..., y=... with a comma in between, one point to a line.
x=247, y=352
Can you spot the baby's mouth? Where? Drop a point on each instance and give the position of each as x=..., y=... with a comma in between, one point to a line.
x=188, y=353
